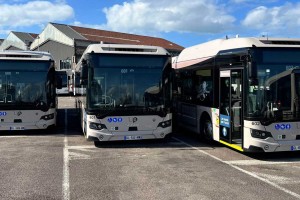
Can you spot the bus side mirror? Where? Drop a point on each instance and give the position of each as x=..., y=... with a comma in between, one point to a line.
x=84, y=73
x=58, y=82
x=252, y=73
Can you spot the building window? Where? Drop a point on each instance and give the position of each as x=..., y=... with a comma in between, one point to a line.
x=65, y=64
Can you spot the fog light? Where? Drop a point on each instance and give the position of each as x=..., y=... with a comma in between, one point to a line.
x=162, y=135
x=266, y=147
x=44, y=125
x=101, y=137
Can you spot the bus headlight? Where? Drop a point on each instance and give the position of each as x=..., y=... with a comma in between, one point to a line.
x=48, y=117
x=97, y=126
x=165, y=124
x=260, y=134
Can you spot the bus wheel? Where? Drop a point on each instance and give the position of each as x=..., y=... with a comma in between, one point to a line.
x=207, y=129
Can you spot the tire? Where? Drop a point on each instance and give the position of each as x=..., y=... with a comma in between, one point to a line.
x=207, y=129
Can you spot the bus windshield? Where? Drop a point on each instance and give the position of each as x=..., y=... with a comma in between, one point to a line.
x=126, y=82
x=64, y=77
x=276, y=97
x=23, y=83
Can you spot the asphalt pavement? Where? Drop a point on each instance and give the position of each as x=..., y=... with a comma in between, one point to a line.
x=61, y=164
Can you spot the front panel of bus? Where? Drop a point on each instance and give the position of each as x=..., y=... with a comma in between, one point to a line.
x=128, y=97
x=272, y=92
x=27, y=94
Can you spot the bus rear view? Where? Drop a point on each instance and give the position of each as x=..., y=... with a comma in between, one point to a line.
x=27, y=90
x=128, y=92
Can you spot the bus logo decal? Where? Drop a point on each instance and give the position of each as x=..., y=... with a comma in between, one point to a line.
x=3, y=113
x=282, y=126
x=133, y=119
x=115, y=119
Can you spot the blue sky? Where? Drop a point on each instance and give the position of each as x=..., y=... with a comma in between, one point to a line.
x=184, y=22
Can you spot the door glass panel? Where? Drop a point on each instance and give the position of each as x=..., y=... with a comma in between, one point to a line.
x=236, y=102
x=230, y=106
x=225, y=108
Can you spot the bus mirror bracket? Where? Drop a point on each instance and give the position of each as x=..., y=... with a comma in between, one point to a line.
x=83, y=72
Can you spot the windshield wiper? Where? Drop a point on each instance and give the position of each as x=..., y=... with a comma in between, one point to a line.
x=268, y=114
x=41, y=105
x=130, y=110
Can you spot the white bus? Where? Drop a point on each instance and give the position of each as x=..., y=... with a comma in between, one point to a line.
x=27, y=90
x=128, y=92
x=67, y=85
x=241, y=92
x=76, y=88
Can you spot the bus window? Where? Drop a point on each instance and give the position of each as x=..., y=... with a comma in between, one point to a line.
x=203, y=85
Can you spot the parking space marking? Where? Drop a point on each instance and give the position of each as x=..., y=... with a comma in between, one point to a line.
x=26, y=136
x=82, y=147
x=16, y=136
x=77, y=156
x=244, y=171
x=279, y=179
x=262, y=162
x=66, y=172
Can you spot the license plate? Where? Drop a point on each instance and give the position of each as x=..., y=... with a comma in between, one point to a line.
x=17, y=128
x=295, y=148
x=133, y=137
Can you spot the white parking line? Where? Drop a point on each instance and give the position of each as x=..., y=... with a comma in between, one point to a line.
x=82, y=147
x=66, y=173
x=27, y=136
x=279, y=179
x=262, y=162
x=244, y=171
x=17, y=136
x=78, y=156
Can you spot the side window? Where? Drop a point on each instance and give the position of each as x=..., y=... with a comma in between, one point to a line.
x=203, y=86
x=187, y=87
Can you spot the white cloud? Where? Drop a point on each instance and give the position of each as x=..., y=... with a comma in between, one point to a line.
x=280, y=20
x=4, y=32
x=33, y=13
x=152, y=16
x=253, y=2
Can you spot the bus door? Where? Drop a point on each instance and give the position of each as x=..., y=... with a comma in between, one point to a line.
x=231, y=106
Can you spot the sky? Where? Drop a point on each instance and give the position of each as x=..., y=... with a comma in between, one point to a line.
x=184, y=22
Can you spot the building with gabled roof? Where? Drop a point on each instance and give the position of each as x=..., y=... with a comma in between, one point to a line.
x=67, y=42
x=18, y=41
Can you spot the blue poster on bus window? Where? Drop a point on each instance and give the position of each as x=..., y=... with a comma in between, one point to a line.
x=225, y=121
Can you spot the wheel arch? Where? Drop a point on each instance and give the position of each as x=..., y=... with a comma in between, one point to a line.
x=205, y=116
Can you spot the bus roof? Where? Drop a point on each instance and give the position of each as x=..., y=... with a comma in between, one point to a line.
x=204, y=51
x=24, y=55
x=125, y=49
